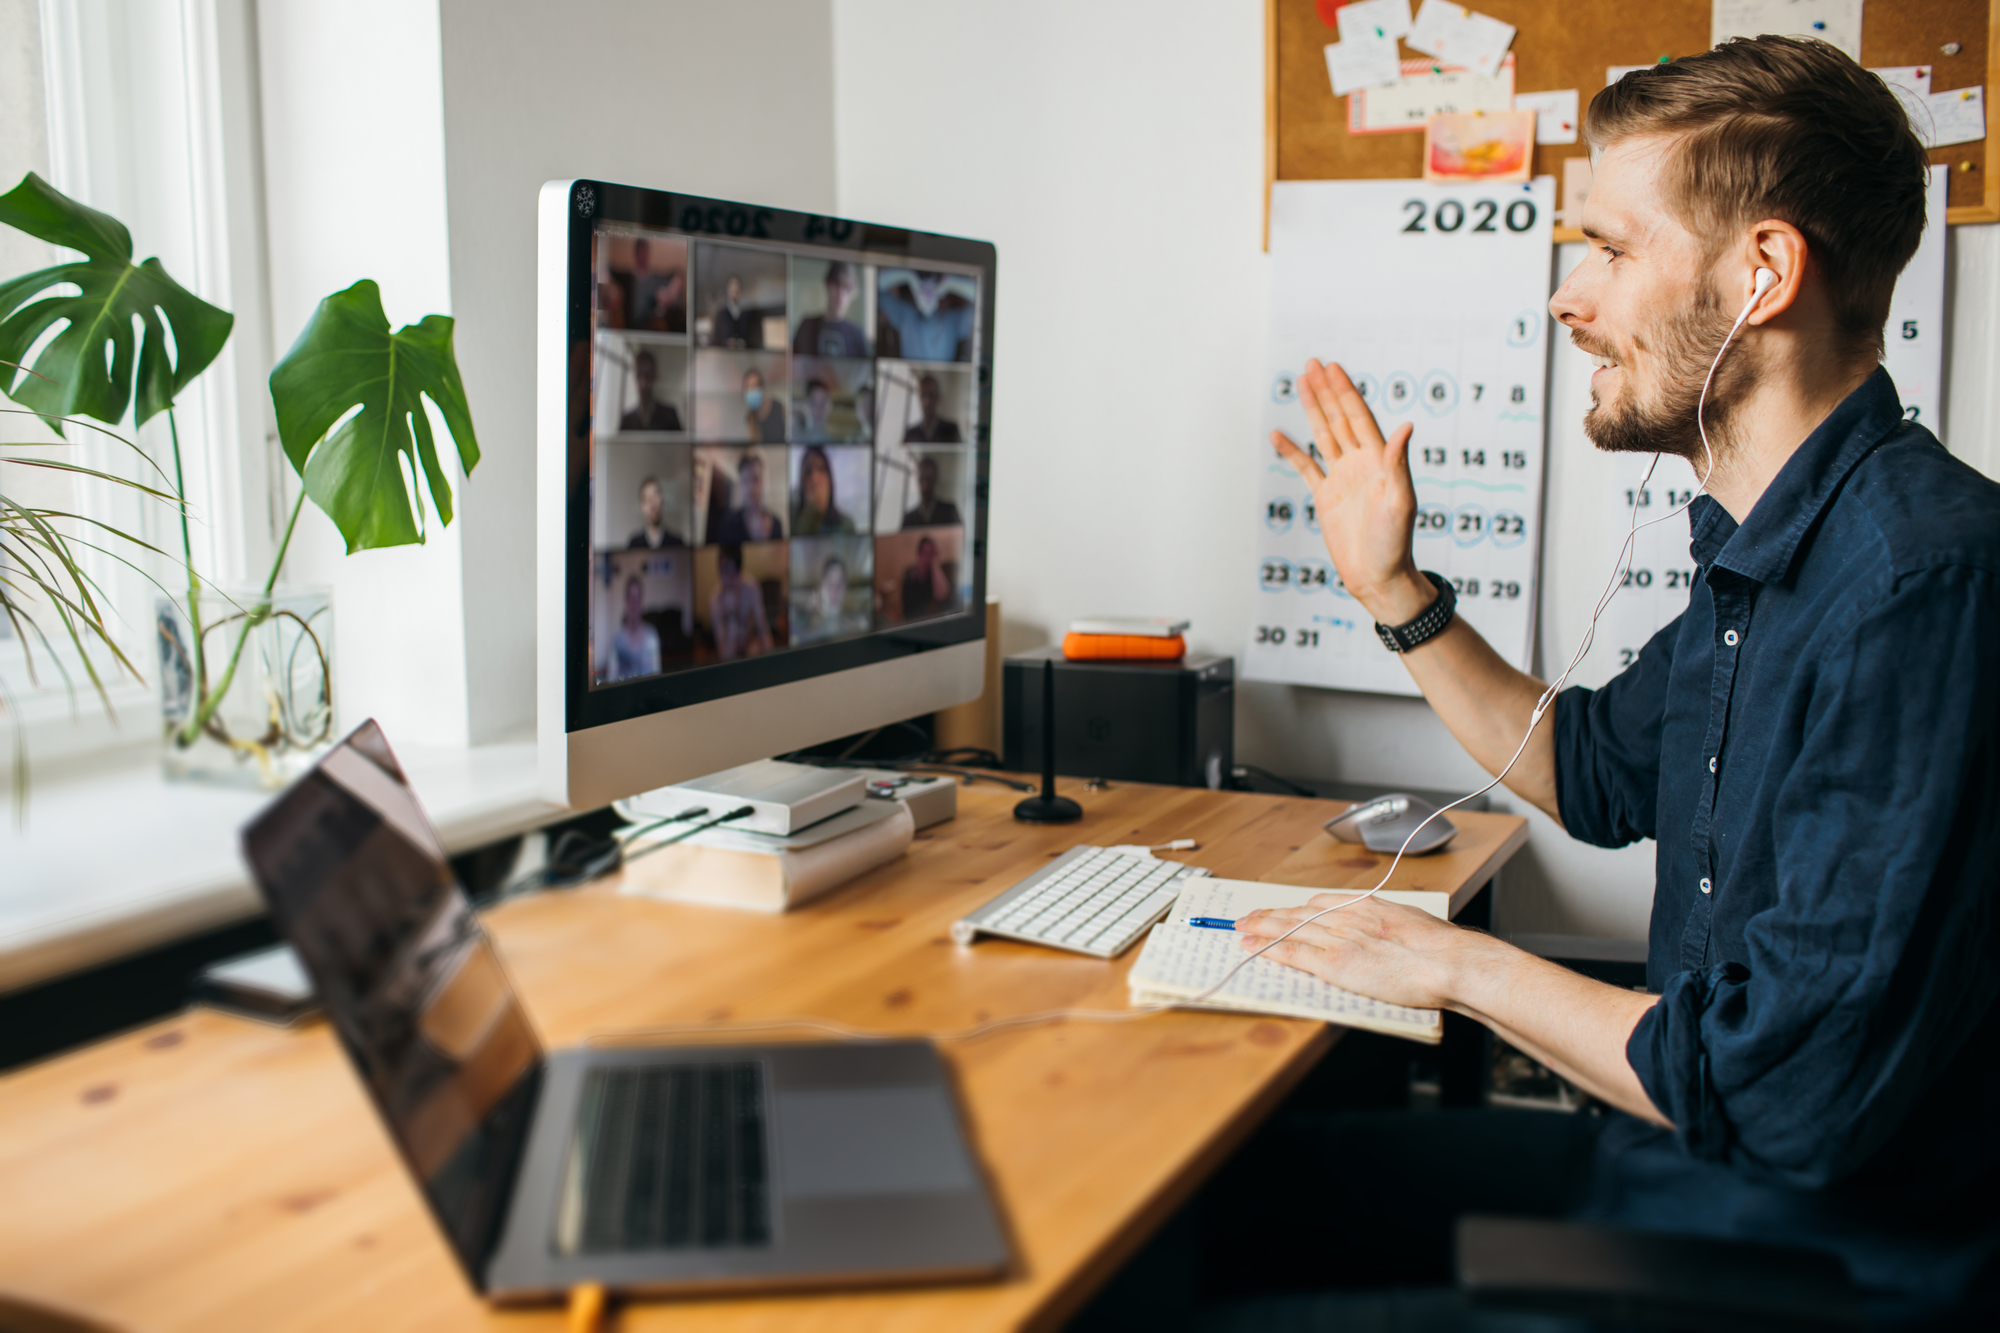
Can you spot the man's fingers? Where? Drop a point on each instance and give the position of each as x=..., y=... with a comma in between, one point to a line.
x=1316, y=395
x=1301, y=461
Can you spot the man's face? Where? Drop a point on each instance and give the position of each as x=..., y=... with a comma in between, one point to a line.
x=819, y=401
x=1644, y=303
x=927, y=480
x=926, y=555
x=733, y=290
x=644, y=376
x=642, y=256
x=928, y=395
x=635, y=601
x=650, y=503
x=839, y=293
x=751, y=474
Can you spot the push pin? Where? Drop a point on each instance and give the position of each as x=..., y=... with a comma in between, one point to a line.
x=1951, y=48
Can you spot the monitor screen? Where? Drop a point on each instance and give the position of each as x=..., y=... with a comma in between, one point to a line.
x=783, y=452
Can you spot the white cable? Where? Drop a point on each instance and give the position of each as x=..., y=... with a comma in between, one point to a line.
x=1547, y=697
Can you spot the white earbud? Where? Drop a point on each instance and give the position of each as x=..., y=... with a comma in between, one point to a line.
x=1765, y=280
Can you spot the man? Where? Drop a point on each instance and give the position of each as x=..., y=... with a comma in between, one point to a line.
x=920, y=321
x=809, y=421
x=1814, y=744
x=635, y=645
x=930, y=427
x=927, y=591
x=649, y=413
x=763, y=414
x=750, y=521
x=733, y=324
x=656, y=297
x=832, y=333
x=736, y=609
x=653, y=533
x=930, y=512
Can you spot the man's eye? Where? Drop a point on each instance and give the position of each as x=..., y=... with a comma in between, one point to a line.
x=1610, y=254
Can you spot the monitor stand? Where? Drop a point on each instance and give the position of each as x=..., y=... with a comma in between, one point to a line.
x=1048, y=808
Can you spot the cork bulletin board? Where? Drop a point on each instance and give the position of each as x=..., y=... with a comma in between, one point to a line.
x=1569, y=45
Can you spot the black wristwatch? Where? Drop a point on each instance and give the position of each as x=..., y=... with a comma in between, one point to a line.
x=1427, y=626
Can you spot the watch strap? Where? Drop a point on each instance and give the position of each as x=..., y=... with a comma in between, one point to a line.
x=1428, y=624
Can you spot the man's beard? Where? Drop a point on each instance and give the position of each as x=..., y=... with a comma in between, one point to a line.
x=1685, y=346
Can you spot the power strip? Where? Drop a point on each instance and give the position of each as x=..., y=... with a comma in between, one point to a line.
x=932, y=799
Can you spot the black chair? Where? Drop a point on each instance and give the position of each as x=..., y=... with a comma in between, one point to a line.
x=1647, y=1280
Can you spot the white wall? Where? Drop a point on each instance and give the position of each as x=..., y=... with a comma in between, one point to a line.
x=730, y=100
x=1118, y=166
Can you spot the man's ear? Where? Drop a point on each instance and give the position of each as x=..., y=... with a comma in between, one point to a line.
x=1780, y=247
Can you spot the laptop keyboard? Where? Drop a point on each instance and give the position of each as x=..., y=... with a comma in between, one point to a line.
x=668, y=1157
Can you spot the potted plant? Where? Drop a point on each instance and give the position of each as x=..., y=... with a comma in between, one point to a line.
x=246, y=674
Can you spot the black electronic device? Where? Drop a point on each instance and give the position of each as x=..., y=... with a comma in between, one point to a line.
x=1173, y=723
x=1048, y=808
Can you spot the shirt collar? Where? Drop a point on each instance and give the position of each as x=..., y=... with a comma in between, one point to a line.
x=1764, y=546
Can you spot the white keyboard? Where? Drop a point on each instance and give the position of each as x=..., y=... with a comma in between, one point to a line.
x=1090, y=899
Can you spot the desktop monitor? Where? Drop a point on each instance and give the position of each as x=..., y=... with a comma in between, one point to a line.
x=761, y=481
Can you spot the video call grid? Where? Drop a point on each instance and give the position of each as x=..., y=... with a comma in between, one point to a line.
x=749, y=540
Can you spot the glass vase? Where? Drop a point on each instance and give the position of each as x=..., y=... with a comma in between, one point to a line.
x=249, y=701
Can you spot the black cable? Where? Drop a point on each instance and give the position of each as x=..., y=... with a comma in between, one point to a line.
x=576, y=858
x=739, y=812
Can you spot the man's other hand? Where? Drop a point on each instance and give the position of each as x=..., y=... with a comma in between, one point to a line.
x=1366, y=501
x=1386, y=951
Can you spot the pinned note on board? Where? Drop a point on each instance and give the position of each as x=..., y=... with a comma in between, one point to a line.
x=1430, y=88
x=1374, y=18
x=1460, y=35
x=1479, y=147
x=1834, y=21
x=1360, y=62
x=1958, y=115
x=1555, y=114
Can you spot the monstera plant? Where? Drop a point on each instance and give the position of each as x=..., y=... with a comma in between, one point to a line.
x=350, y=405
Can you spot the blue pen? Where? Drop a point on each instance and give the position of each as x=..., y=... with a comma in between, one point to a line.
x=1212, y=922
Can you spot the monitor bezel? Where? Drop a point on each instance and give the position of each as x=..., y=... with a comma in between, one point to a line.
x=593, y=204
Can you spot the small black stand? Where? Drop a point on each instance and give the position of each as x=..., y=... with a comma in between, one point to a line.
x=1048, y=808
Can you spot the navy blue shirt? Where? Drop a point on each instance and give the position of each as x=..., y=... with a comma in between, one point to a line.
x=1815, y=746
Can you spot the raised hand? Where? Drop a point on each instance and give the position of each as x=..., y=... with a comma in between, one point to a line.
x=1366, y=501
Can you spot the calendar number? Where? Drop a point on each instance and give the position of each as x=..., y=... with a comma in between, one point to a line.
x=1637, y=578
x=1680, y=578
x=1638, y=499
x=1909, y=329
x=1473, y=457
x=1278, y=636
x=1275, y=575
x=1434, y=457
x=1513, y=458
x=1675, y=499
x=1627, y=656
x=1432, y=521
x=1450, y=215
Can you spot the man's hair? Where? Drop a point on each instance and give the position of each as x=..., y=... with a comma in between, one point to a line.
x=645, y=358
x=1787, y=128
x=840, y=271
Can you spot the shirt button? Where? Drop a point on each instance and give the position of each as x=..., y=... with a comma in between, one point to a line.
x=1705, y=885
x=1711, y=763
x=1731, y=637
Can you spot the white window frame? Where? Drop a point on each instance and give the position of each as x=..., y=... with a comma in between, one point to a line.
x=153, y=117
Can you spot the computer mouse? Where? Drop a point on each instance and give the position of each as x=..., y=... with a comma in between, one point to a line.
x=1381, y=824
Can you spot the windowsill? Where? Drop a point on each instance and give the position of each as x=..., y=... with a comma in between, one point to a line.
x=118, y=860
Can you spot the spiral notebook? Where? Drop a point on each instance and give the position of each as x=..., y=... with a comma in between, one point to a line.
x=1180, y=961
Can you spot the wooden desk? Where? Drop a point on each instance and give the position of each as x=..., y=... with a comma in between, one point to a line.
x=210, y=1173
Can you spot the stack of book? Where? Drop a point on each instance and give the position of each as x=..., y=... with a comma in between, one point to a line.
x=1125, y=639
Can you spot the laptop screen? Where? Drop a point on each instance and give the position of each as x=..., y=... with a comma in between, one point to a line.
x=359, y=886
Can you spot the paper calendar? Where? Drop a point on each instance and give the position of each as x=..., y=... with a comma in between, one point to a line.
x=1435, y=300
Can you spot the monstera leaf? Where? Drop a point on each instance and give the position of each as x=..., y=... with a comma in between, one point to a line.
x=345, y=359
x=75, y=374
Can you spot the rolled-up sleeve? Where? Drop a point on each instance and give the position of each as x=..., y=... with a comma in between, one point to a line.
x=1608, y=749
x=1879, y=954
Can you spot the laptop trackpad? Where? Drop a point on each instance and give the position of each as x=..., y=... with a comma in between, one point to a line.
x=835, y=1141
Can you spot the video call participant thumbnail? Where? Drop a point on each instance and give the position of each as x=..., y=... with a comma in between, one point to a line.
x=930, y=427
x=653, y=533
x=740, y=596
x=817, y=490
x=764, y=413
x=740, y=396
x=916, y=573
x=830, y=332
x=832, y=587
x=649, y=413
x=833, y=400
x=640, y=615
x=930, y=511
x=922, y=316
x=737, y=290
x=646, y=286
x=739, y=509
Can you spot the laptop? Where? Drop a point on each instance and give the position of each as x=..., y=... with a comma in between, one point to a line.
x=649, y=1170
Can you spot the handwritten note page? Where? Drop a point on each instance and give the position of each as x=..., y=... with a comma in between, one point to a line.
x=1434, y=298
